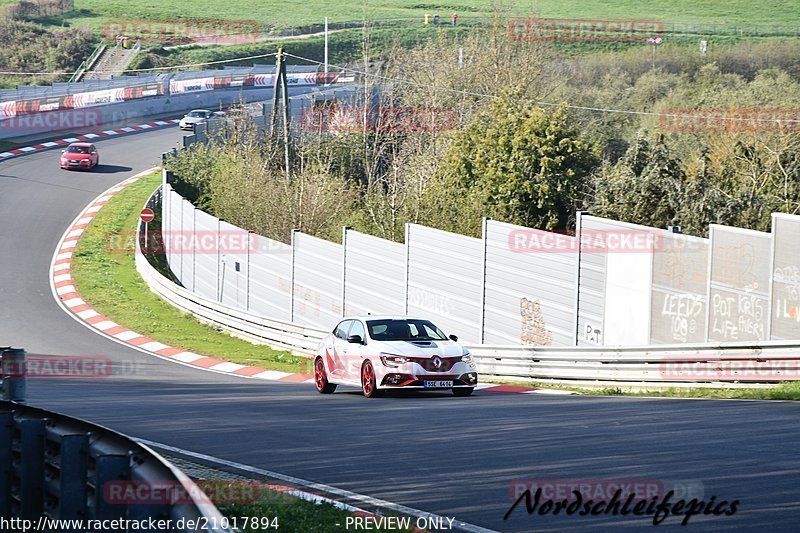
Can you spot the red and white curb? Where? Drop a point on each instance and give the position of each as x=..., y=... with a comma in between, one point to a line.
x=65, y=293
x=86, y=137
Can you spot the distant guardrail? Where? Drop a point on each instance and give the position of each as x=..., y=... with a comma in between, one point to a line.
x=54, y=467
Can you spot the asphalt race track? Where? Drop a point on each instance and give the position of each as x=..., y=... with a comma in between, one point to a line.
x=446, y=455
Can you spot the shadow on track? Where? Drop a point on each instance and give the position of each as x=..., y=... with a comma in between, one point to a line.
x=110, y=169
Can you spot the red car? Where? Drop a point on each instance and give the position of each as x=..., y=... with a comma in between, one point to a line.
x=79, y=155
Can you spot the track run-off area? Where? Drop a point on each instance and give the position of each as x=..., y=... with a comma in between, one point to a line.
x=454, y=457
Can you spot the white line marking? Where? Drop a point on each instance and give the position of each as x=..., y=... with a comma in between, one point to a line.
x=66, y=289
x=69, y=244
x=65, y=255
x=127, y=335
x=271, y=375
x=50, y=144
x=70, y=140
x=75, y=233
x=227, y=367
x=368, y=500
x=186, y=357
x=84, y=220
x=104, y=325
x=153, y=346
x=59, y=268
x=61, y=277
x=91, y=135
x=74, y=302
x=89, y=313
x=28, y=149
x=110, y=132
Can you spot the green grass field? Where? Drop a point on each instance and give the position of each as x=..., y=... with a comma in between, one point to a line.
x=288, y=14
x=108, y=280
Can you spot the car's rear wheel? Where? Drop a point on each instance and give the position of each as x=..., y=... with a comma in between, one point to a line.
x=368, y=381
x=321, y=378
x=463, y=391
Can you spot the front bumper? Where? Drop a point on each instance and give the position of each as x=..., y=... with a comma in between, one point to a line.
x=76, y=164
x=399, y=380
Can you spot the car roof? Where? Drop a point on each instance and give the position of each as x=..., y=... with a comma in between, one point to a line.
x=203, y=110
x=83, y=145
x=383, y=317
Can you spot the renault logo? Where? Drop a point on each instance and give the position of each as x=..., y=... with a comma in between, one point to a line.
x=437, y=362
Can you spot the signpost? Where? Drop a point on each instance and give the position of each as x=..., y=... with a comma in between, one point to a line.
x=147, y=215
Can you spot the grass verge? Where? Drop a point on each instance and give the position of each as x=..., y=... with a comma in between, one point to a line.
x=787, y=390
x=290, y=514
x=108, y=280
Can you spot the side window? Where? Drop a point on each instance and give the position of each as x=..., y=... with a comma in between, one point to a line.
x=341, y=329
x=358, y=329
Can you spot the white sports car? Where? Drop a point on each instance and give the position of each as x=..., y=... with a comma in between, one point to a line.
x=378, y=353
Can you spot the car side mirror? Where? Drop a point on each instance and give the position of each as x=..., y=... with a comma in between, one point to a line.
x=355, y=339
x=453, y=338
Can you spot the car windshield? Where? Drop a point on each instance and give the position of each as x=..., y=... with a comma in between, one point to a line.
x=196, y=114
x=78, y=149
x=404, y=330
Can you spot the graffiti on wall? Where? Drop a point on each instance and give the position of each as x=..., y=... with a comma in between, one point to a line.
x=534, y=329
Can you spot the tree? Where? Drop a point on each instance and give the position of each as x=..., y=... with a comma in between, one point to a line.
x=514, y=162
x=644, y=187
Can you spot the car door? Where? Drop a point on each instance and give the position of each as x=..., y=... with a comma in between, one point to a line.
x=354, y=354
x=335, y=351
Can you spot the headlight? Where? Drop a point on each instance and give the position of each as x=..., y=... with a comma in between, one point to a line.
x=467, y=358
x=393, y=360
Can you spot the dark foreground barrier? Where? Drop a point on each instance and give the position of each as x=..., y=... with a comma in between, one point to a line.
x=55, y=468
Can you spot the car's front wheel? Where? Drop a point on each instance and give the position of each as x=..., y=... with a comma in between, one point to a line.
x=368, y=381
x=321, y=378
x=463, y=391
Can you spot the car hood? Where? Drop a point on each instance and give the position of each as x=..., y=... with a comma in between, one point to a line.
x=420, y=348
x=74, y=156
x=192, y=120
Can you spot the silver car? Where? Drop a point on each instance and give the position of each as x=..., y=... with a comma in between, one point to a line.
x=195, y=116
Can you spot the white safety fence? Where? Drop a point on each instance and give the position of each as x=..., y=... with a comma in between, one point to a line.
x=612, y=284
x=738, y=364
x=648, y=367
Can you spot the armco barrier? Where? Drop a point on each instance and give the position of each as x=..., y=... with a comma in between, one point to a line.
x=53, y=467
x=300, y=339
x=744, y=365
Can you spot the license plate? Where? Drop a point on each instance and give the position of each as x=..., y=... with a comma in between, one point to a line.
x=438, y=384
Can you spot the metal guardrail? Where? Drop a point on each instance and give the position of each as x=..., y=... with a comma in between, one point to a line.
x=300, y=339
x=59, y=468
x=740, y=365
x=88, y=63
x=12, y=374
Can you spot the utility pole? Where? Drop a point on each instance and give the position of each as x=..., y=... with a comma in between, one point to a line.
x=326, y=50
x=281, y=86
